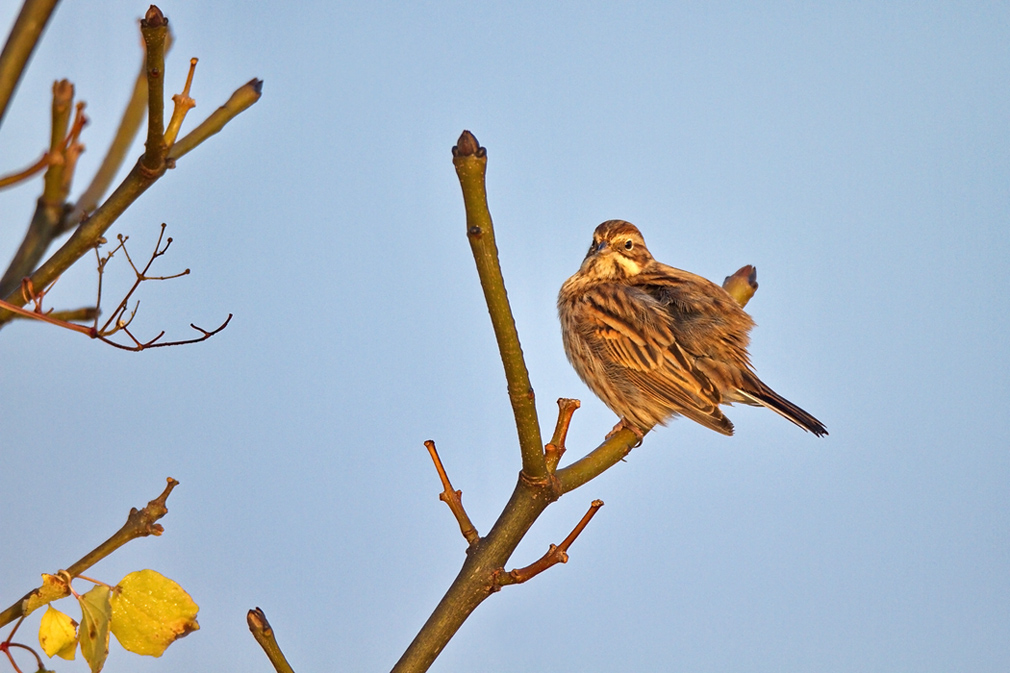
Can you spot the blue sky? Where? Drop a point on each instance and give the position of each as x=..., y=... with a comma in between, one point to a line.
x=857, y=154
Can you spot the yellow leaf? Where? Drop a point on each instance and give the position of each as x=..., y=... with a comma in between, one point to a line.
x=52, y=588
x=94, y=632
x=58, y=634
x=150, y=612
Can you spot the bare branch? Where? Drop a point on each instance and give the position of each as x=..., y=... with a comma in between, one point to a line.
x=470, y=160
x=20, y=44
x=183, y=104
x=244, y=96
x=64, y=149
x=264, y=635
x=453, y=498
x=154, y=28
x=120, y=319
x=556, y=447
x=556, y=554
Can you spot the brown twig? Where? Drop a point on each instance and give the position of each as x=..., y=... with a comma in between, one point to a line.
x=556, y=554
x=264, y=635
x=129, y=125
x=183, y=104
x=555, y=449
x=453, y=498
x=13, y=178
x=139, y=523
x=118, y=321
x=64, y=150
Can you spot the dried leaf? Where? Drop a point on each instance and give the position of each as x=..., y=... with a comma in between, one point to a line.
x=96, y=612
x=53, y=588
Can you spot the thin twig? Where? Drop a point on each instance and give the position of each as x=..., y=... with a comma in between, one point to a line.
x=13, y=178
x=453, y=498
x=118, y=321
x=556, y=554
x=183, y=104
x=556, y=447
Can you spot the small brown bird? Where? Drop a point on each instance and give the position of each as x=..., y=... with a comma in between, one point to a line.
x=655, y=342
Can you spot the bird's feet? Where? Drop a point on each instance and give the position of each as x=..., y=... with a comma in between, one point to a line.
x=625, y=424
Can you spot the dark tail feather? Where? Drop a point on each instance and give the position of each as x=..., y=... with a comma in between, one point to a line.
x=769, y=398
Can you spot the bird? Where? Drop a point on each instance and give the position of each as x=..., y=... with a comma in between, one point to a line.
x=654, y=342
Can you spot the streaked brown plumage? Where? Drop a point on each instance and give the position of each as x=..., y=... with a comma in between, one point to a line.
x=654, y=342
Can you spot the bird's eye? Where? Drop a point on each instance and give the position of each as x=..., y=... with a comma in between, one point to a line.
x=629, y=244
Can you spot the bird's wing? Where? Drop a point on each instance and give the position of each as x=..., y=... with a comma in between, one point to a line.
x=634, y=329
x=705, y=319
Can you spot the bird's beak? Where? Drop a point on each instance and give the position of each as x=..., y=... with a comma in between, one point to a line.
x=599, y=247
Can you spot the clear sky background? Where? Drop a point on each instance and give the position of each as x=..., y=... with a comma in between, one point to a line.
x=857, y=154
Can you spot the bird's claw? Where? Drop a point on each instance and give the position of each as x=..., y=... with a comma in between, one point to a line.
x=625, y=424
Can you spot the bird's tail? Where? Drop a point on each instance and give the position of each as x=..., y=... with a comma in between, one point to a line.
x=767, y=397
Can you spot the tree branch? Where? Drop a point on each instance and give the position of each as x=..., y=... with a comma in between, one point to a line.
x=139, y=523
x=20, y=44
x=555, y=449
x=244, y=96
x=129, y=125
x=50, y=208
x=556, y=554
x=453, y=498
x=264, y=635
x=470, y=161
x=148, y=169
x=154, y=28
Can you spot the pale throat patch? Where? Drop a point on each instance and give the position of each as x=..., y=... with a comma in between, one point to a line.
x=630, y=266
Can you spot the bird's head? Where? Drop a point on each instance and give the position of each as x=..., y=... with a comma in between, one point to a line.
x=618, y=251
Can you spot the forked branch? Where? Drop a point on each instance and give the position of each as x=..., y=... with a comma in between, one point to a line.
x=556, y=554
x=122, y=316
x=157, y=158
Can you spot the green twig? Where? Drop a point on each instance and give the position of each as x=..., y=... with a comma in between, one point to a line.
x=598, y=461
x=264, y=635
x=20, y=44
x=244, y=96
x=154, y=28
x=471, y=164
